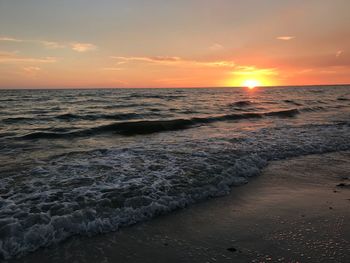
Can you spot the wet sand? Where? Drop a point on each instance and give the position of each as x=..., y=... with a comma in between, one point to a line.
x=297, y=211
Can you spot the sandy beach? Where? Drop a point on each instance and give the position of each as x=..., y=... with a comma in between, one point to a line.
x=297, y=211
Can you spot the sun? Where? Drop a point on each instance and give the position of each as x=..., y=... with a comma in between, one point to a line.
x=251, y=83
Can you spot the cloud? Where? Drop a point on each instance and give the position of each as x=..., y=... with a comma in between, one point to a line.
x=48, y=44
x=216, y=47
x=220, y=63
x=82, y=47
x=76, y=46
x=172, y=80
x=7, y=53
x=173, y=60
x=32, y=69
x=165, y=58
x=51, y=44
x=13, y=57
x=112, y=69
x=156, y=59
x=10, y=39
x=339, y=53
x=251, y=70
x=319, y=60
x=285, y=38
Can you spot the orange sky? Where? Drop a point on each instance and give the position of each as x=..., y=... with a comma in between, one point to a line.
x=163, y=43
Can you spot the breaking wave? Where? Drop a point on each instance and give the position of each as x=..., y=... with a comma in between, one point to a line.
x=99, y=191
x=153, y=126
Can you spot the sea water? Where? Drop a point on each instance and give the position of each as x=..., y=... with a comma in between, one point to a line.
x=91, y=161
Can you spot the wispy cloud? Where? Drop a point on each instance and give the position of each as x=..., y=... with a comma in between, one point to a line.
x=82, y=47
x=13, y=57
x=339, y=53
x=285, y=38
x=76, y=46
x=251, y=70
x=219, y=63
x=8, y=53
x=112, y=69
x=173, y=60
x=156, y=59
x=216, y=47
x=172, y=80
x=51, y=44
x=48, y=44
x=32, y=71
x=10, y=39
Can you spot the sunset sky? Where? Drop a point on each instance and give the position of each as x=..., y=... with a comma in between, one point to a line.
x=168, y=43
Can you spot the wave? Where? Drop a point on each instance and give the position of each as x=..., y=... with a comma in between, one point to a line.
x=16, y=119
x=87, y=193
x=120, y=116
x=132, y=105
x=292, y=102
x=313, y=109
x=156, y=96
x=241, y=103
x=343, y=99
x=154, y=126
x=283, y=113
x=7, y=134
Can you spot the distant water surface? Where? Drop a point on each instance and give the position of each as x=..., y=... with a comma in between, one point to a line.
x=90, y=161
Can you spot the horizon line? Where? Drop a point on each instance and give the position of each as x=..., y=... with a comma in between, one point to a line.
x=182, y=87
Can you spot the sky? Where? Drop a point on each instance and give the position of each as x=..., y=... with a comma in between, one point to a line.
x=167, y=43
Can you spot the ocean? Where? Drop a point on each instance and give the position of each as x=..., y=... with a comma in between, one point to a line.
x=85, y=162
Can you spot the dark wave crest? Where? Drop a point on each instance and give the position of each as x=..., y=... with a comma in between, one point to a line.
x=241, y=103
x=16, y=119
x=313, y=109
x=120, y=116
x=154, y=126
x=292, y=102
x=284, y=113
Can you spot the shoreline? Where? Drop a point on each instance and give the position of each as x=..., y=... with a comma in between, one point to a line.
x=293, y=212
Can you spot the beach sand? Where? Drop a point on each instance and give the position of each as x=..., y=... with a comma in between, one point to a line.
x=297, y=211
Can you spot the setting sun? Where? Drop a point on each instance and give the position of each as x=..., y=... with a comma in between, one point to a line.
x=251, y=83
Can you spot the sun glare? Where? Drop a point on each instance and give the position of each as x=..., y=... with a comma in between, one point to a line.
x=251, y=83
